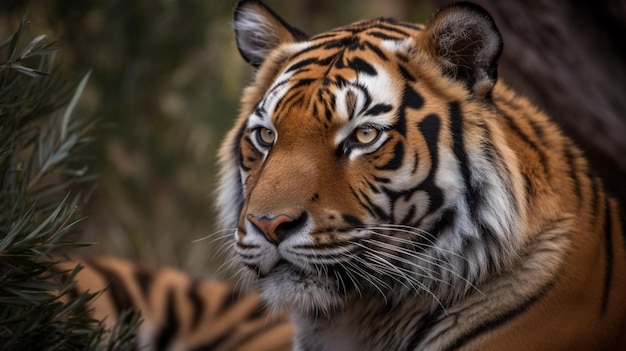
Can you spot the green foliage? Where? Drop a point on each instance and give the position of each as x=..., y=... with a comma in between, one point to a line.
x=42, y=162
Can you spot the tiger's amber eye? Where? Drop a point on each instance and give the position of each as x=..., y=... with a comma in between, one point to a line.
x=266, y=136
x=366, y=135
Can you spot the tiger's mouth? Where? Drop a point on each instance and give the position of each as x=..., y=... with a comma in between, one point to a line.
x=282, y=266
x=336, y=276
x=317, y=291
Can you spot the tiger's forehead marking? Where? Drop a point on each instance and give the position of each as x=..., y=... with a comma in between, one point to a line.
x=347, y=65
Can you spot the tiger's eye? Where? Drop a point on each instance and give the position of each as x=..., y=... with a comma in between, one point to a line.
x=266, y=136
x=366, y=135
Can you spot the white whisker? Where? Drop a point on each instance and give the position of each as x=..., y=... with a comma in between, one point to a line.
x=363, y=274
x=214, y=234
x=420, y=256
x=390, y=269
x=412, y=253
x=414, y=231
x=413, y=264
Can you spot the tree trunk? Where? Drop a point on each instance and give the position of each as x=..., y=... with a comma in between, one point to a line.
x=569, y=58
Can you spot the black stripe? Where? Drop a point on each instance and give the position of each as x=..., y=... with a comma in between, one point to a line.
x=383, y=36
x=429, y=127
x=301, y=64
x=340, y=82
x=309, y=49
x=355, y=45
x=537, y=129
x=260, y=112
x=573, y=172
x=197, y=304
x=236, y=151
x=378, y=109
x=365, y=93
x=352, y=220
x=407, y=219
x=608, y=253
x=340, y=43
x=376, y=50
x=304, y=82
x=328, y=113
x=395, y=162
x=492, y=324
x=382, y=180
x=511, y=123
x=456, y=129
x=402, y=57
x=338, y=59
x=241, y=160
x=410, y=99
x=362, y=66
x=408, y=25
x=117, y=289
x=392, y=28
x=271, y=91
x=167, y=332
x=405, y=73
x=332, y=102
x=324, y=36
x=294, y=98
x=372, y=208
x=373, y=188
x=228, y=301
x=144, y=280
x=361, y=203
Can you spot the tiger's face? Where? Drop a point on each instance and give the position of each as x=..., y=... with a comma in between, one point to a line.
x=354, y=166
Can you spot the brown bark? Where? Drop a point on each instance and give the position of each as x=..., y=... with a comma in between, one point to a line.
x=569, y=57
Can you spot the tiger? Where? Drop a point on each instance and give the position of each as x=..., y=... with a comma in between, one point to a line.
x=383, y=186
x=177, y=313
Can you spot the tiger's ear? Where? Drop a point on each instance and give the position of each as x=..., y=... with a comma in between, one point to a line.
x=258, y=30
x=464, y=37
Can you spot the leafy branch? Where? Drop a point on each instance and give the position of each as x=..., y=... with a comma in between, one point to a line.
x=42, y=153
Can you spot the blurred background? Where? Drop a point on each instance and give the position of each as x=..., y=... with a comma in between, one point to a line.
x=165, y=83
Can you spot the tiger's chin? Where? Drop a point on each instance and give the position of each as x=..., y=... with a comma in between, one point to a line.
x=307, y=294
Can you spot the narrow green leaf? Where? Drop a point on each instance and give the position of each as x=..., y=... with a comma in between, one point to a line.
x=26, y=70
x=70, y=107
x=28, y=49
x=47, y=221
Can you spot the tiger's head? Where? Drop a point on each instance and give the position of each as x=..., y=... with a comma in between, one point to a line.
x=365, y=160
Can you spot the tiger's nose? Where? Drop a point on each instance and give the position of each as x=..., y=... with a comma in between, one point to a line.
x=276, y=228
